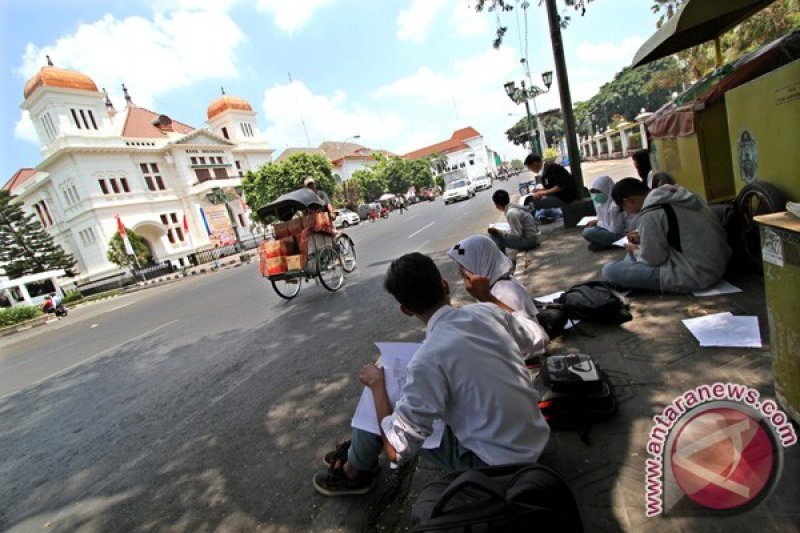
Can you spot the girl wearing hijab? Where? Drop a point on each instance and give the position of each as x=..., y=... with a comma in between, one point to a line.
x=487, y=276
x=612, y=223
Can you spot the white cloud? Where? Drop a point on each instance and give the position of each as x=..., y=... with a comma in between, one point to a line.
x=466, y=21
x=288, y=15
x=151, y=56
x=25, y=130
x=414, y=23
x=287, y=107
x=609, y=53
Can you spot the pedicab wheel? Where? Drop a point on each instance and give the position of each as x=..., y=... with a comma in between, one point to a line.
x=755, y=199
x=330, y=269
x=347, y=251
x=286, y=288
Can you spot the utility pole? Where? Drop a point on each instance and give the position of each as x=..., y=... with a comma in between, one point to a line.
x=563, y=91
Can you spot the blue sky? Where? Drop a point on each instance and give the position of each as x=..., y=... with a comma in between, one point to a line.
x=401, y=74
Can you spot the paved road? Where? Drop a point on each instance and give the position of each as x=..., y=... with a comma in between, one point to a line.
x=205, y=404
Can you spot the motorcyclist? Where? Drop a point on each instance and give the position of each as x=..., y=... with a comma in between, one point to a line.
x=53, y=304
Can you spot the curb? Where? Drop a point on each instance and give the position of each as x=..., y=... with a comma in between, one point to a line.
x=24, y=326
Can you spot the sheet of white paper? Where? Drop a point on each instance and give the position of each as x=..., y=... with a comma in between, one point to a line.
x=586, y=220
x=394, y=358
x=723, y=287
x=622, y=242
x=502, y=226
x=725, y=329
x=549, y=298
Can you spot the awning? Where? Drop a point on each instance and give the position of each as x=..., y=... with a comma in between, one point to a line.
x=696, y=22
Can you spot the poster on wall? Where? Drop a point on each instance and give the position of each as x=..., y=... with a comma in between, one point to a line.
x=219, y=225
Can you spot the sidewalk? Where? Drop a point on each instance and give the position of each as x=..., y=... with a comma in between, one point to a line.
x=651, y=360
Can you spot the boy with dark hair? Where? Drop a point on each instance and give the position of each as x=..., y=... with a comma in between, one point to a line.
x=558, y=184
x=471, y=359
x=679, y=246
x=523, y=231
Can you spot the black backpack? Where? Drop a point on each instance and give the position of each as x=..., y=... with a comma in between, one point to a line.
x=505, y=499
x=574, y=393
x=595, y=302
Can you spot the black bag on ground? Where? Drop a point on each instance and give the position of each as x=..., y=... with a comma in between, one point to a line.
x=505, y=499
x=552, y=319
x=574, y=392
x=595, y=302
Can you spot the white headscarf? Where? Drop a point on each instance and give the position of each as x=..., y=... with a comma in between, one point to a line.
x=609, y=215
x=480, y=255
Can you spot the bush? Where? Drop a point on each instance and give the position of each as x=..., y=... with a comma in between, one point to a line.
x=72, y=297
x=15, y=315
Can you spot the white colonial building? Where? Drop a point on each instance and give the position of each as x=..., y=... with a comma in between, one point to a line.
x=465, y=150
x=145, y=167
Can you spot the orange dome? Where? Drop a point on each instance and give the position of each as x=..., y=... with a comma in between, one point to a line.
x=224, y=103
x=58, y=77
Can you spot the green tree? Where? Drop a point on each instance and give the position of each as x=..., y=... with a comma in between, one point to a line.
x=420, y=173
x=517, y=163
x=371, y=184
x=348, y=194
x=777, y=19
x=274, y=179
x=26, y=247
x=438, y=162
x=116, y=250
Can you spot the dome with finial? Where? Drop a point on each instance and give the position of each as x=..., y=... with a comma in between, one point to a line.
x=225, y=103
x=52, y=76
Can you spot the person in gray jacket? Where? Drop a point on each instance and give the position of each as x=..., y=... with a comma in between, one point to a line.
x=523, y=231
x=680, y=245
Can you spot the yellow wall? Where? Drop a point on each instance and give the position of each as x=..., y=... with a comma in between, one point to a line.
x=769, y=109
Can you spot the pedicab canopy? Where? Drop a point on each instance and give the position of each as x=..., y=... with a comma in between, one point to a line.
x=677, y=118
x=285, y=206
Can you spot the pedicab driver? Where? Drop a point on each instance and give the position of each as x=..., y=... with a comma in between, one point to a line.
x=310, y=183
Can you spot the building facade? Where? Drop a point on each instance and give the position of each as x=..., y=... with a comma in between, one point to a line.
x=165, y=180
x=465, y=150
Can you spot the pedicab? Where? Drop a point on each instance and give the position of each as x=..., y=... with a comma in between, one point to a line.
x=305, y=246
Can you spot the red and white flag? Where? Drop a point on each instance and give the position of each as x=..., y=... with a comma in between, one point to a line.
x=186, y=232
x=124, y=235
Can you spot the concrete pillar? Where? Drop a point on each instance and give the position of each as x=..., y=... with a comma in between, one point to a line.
x=26, y=296
x=623, y=134
x=589, y=146
x=640, y=118
x=599, y=147
x=610, y=143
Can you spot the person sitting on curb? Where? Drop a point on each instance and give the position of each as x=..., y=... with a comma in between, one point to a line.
x=680, y=245
x=641, y=162
x=612, y=222
x=523, y=231
x=470, y=360
x=487, y=275
x=558, y=184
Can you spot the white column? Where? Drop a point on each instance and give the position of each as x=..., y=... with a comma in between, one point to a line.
x=599, y=147
x=640, y=118
x=26, y=296
x=623, y=133
x=609, y=143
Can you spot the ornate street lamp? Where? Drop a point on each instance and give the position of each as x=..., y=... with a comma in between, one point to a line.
x=523, y=94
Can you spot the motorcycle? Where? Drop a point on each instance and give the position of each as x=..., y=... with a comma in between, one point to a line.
x=59, y=310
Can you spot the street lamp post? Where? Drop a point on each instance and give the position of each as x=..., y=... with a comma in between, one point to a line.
x=522, y=94
x=218, y=196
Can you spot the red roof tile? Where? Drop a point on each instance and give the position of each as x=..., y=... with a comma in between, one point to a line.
x=139, y=123
x=20, y=176
x=454, y=143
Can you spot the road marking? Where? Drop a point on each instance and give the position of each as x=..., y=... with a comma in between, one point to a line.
x=93, y=357
x=421, y=229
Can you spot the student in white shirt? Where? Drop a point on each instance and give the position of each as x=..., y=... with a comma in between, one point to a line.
x=468, y=373
x=478, y=255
